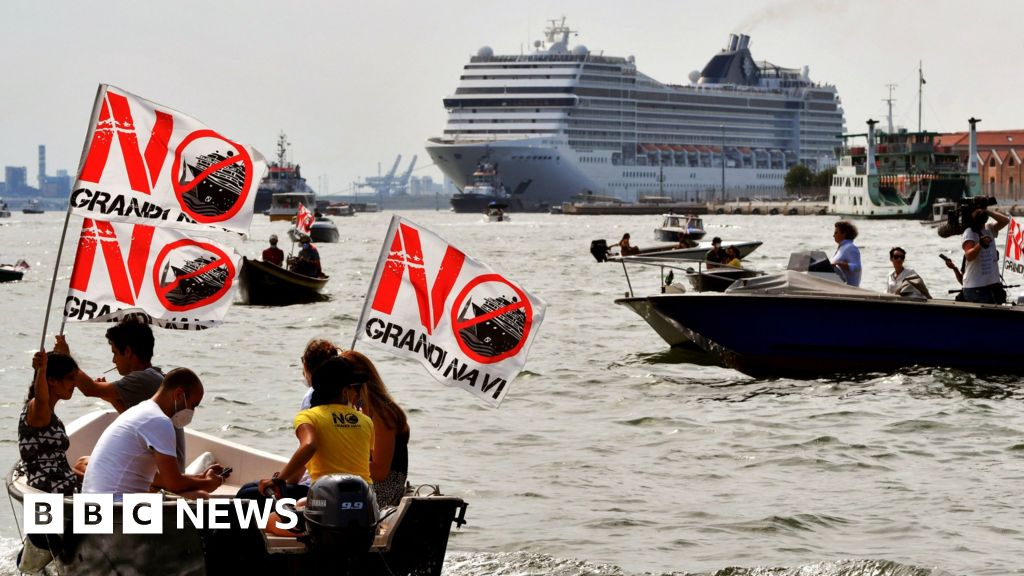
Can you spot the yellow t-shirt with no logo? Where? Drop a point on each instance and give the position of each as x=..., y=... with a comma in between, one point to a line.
x=344, y=438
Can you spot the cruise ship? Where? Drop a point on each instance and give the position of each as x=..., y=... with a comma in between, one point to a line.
x=563, y=121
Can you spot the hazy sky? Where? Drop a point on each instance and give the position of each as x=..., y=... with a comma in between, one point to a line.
x=355, y=83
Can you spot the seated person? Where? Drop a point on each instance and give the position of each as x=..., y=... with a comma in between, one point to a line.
x=716, y=255
x=624, y=248
x=273, y=254
x=42, y=441
x=904, y=281
x=732, y=257
x=325, y=445
x=131, y=344
x=307, y=262
x=140, y=443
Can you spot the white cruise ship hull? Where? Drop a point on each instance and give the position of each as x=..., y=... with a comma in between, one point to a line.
x=539, y=174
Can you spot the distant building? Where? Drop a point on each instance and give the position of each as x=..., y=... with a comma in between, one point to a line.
x=999, y=160
x=16, y=178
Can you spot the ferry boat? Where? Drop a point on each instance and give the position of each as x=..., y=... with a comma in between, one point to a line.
x=563, y=120
x=904, y=175
x=282, y=176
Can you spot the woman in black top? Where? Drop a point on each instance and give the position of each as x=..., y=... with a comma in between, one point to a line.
x=42, y=440
x=389, y=461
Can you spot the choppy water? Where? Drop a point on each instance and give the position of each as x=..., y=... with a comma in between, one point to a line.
x=613, y=455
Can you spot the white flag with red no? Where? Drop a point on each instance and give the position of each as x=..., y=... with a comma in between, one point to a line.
x=175, y=281
x=469, y=326
x=149, y=164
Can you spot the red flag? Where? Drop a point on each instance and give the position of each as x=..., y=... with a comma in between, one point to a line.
x=304, y=219
x=1014, y=241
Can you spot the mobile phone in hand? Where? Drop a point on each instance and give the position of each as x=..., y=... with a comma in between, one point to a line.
x=944, y=257
x=226, y=472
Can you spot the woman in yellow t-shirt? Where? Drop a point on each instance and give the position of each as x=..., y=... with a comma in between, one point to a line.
x=334, y=437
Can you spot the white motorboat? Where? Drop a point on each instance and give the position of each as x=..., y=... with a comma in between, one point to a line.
x=678, y=228
x=409, y=539
x=285, y=205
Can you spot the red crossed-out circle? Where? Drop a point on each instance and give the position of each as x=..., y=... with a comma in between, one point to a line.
x=240, y=156
x=220, y=259
x=524, y=302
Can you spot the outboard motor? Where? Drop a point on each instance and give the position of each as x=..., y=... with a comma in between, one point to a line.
x=599, y=248
x=341, y=514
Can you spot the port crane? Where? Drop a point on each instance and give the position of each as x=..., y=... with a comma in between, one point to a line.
x=389, y=184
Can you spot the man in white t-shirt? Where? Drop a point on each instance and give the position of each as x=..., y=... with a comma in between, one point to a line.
x=982, y=282
x=141, y=443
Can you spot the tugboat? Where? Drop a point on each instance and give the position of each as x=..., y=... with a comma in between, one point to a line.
x=282, y=176
x=485, y=190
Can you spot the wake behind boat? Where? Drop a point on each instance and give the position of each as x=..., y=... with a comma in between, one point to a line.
x=410, y=539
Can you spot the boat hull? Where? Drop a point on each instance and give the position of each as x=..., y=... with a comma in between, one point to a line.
x=10, y=274
x=767, y=335
x=262, y=284
x=411, y=540
x=698, y=252
x=673, y=333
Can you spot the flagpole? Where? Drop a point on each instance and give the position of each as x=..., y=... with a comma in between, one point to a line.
x=381, y=260
x=100, y=91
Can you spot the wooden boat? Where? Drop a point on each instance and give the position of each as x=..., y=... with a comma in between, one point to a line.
x=410, y=539
x=263, y=284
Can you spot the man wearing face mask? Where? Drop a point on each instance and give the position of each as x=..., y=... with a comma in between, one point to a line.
x=140, y=443
x=131, y=344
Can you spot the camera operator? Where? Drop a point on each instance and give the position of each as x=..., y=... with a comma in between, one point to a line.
x=982, y=282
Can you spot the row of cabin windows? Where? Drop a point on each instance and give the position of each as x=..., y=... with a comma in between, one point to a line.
x=856, y=180
x=593, y=160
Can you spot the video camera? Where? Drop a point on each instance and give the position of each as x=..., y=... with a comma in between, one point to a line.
x=959, y=218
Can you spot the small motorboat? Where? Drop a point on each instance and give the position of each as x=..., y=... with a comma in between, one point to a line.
x=284, y=205
x=496, y=213
x=13, y=272
x=690, y=250
x=340, y=209
x=264, y=284
x=322, y=230
x=411, y=538
x=677, y=228
x=5, y=212
x=33, y=206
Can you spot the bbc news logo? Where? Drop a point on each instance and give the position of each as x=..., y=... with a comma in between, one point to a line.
x=144, y=513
